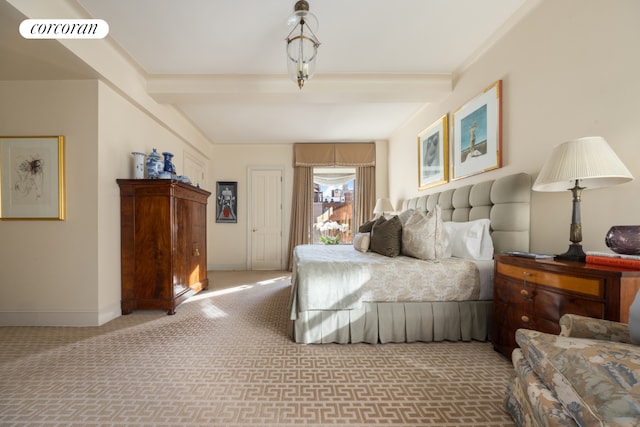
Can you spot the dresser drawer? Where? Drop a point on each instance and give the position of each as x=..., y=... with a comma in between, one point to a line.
x=584, y=285
x=534, y=294
x=552, y=305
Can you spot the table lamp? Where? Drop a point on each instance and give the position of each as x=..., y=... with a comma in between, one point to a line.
x=582, y=163
x=382, y=205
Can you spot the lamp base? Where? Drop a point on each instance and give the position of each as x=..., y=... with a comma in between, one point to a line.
x=575, y=253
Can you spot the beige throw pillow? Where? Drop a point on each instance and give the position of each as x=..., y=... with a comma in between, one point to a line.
x=361, y=241
x=424, y=236
x=405, y=215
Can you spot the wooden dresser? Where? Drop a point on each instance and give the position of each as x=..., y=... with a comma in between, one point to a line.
x=163, y=243
x=534, y=294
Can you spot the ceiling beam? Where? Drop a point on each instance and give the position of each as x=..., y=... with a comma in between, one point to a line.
x=322, y=89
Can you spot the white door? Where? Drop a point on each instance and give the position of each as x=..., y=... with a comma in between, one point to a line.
x=265, y=223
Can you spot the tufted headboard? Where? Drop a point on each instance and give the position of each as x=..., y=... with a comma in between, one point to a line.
x=505, y=201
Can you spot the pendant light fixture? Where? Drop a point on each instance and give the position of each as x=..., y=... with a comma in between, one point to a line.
x=302, y=43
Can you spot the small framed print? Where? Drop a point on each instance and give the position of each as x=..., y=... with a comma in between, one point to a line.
x=433, y=155
x=477, y=134
x=226, y=201
x=32, y=178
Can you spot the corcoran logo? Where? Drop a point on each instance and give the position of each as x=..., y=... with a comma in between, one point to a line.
x=64, y=29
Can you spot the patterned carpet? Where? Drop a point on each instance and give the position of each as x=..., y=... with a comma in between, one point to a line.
x=224, y=359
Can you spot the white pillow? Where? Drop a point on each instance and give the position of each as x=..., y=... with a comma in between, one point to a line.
x=424, y=236
x=470, y=240
x=361, y=241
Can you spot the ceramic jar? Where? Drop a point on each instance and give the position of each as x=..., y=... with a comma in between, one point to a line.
x=624, y=239
x=168, y=165
x=138, y=165
x=155, y=164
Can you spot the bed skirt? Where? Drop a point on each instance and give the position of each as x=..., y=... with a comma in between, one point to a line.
x=396, y=322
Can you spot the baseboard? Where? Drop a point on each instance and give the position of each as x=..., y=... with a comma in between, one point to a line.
x=227, y=267
x=107, y=314
x=48, y=318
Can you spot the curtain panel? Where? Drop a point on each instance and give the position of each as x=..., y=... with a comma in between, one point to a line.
x=365, y=195
x=301, y=210
x=362, y=156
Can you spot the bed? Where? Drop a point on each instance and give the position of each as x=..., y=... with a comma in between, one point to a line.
x=342, y=295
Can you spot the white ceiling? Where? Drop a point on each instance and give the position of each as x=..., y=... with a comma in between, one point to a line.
x=222, y=62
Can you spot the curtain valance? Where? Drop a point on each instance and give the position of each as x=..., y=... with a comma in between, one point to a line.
x=333, y=178
x=356, y=154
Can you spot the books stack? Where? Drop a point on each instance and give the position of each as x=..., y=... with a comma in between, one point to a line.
x=610, y=258
x=529, y=255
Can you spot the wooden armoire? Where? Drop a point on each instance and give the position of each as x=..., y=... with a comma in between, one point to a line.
x=163, y=243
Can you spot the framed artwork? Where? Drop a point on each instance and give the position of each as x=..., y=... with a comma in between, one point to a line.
x=32, y=178
x=226, y=201
x=433, y=155
x=477, y=134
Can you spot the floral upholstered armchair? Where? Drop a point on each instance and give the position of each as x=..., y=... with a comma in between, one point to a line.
x=576, y=326
x=589, y=375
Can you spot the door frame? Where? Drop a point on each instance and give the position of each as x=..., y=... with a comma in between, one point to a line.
x=283, y=246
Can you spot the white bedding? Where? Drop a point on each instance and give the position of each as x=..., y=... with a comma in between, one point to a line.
x=337, y=277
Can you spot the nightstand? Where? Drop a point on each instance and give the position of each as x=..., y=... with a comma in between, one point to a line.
x=535, y=293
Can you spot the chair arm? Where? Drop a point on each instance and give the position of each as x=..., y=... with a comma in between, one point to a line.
x=573, y=325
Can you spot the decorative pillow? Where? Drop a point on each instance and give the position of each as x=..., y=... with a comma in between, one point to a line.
x=424, y=236
x=361, y=241
x=366, y=227
x=405, y=215
x=470, y=240
x=386, y=236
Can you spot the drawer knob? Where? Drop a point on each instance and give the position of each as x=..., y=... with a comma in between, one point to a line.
x=524, y=292
x=525, y=319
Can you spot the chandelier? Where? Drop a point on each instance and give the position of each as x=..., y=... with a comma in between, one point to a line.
x=302, y=43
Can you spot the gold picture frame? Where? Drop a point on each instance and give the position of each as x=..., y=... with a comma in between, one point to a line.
x=477, y=134
x=433, y=154
x=32, y=178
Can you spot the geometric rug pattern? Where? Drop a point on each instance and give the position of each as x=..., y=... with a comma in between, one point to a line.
x=224, y=359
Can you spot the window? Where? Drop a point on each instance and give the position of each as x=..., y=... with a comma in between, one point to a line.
x=333, y=205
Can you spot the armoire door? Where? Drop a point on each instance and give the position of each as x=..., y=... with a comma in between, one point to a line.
x=191, y=245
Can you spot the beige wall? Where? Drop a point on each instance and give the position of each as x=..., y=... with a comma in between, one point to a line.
x=228, y=243
x=48, y=271
x=68, y=272
x=123, y=128
x=569, y=69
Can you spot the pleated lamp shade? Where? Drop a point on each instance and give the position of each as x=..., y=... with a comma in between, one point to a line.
x=382, y=205
x=589, y=160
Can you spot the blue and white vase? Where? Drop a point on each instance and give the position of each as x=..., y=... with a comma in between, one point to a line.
x=138, y=165
x=155, y=165
x=168, y=166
